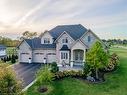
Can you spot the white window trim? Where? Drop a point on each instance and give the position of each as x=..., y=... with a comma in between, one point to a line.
x=46, y=40
x=64, y=55
x=65, y=40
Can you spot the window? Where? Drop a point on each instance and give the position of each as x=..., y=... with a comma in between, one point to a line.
x=64, y=55
x=89, y=38
x=51, y=54
x=39, y=53
x=65, y=40
x=46, y=40
x=25, y=53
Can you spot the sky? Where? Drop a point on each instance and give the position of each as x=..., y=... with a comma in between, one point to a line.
x=106, y=18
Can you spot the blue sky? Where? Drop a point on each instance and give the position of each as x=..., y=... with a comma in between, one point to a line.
x=107, y=18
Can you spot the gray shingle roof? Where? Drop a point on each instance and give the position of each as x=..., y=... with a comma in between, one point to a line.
x=75, y=31
x=2, y=46
x=36, y=43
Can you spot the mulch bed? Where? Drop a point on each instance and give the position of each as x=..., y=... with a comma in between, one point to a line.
x=42, y=89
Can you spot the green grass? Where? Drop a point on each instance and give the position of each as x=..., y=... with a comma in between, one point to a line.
x=115, y=84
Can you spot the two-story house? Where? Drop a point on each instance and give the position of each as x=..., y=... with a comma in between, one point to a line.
x=64, y=44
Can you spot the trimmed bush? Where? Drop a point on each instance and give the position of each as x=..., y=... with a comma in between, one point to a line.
x=113, y=63
x=77, y=74
x=13, y=60
x=54, y=67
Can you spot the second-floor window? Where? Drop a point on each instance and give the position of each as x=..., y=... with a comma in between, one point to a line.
x=46, y=40
x=65, y=40
x=89, y=38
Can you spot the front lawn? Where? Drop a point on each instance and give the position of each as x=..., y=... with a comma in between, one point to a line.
x=115, y=84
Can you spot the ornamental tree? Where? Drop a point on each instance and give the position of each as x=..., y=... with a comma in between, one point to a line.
x=97, y=57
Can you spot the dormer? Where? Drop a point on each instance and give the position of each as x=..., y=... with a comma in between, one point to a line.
x=46, y=38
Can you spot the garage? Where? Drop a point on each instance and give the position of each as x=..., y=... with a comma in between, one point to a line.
x=24, y=57
x=38, y=57
x=51, y=57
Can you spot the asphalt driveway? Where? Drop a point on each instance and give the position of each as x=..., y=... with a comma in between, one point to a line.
x=26, y=72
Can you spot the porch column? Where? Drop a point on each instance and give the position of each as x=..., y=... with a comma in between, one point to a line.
x=71, y=63
x=84, y=59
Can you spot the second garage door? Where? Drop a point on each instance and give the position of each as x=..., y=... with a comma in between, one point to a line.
x=38, y=57
x=51, y=57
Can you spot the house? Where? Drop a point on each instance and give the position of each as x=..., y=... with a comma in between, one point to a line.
x=64, y=44
x=2, y=51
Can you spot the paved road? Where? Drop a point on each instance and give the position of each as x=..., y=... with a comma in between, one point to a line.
x=26, y=72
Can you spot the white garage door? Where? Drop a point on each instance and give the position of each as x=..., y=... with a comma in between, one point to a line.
x=51, y=57
x=38, y=57
x=24, y=57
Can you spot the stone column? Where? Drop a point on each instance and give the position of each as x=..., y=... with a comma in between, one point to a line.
x=71, y=63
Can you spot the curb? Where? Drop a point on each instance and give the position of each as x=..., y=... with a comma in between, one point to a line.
x=29, y=85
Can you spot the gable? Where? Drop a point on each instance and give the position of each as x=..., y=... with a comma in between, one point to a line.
x=63, y=36
x=79, y=45
x=46, y=35
x=93, y=38
x=24, y=46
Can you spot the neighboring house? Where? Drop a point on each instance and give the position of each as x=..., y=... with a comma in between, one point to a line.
x=64, y=44
x=2, y=51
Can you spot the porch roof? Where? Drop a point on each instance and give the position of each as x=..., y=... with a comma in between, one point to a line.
x=64, y=47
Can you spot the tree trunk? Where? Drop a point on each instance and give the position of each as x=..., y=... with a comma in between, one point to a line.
x=97, y=77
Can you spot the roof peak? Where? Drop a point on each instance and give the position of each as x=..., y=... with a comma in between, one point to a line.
x=68, y=25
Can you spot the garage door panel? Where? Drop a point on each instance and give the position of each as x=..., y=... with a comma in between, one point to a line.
x=51, y=57
x=24, y=57
x=38, y=57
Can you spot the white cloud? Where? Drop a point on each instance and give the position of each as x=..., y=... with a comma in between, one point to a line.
x=39, y=15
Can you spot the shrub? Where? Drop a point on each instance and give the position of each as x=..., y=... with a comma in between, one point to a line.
x=54, y=67
x=9, y=85
x=77, y=74
x=44, y=75
x=13, y=60
x=113, y=63
x=9, y=57
x=87, y=69
x=5, y=59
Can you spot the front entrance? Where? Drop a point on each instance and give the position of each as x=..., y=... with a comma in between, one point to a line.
x=64, y=58
x=78, y=56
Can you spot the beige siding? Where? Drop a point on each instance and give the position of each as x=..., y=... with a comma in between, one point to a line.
x=85, y=39
x=59, y=45
x=24, y=52
x=46, y=35
x=78, y=45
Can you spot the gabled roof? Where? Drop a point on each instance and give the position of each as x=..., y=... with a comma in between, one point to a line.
x=64, y=48
x=2, y=46
x=75, y=31
x=36, y=43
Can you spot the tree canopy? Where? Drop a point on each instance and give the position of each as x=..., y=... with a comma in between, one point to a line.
x=97, y=57
x=28, y=35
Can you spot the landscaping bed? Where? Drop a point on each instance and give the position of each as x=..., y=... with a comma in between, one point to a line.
x=115, y=83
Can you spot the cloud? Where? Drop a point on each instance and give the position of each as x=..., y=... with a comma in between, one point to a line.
x=40, y=15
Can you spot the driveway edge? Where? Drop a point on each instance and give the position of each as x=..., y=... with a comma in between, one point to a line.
x=29, y=85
